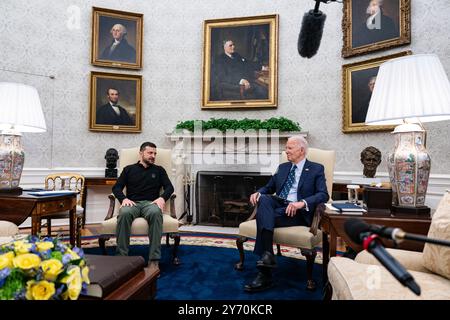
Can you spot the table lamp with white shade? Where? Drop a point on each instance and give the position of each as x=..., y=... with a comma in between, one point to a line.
x=20, y=111
x=409, y=91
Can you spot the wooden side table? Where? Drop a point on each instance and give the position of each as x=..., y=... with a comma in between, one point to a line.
x=332, y=226
x=94, y=181
x=17, y=208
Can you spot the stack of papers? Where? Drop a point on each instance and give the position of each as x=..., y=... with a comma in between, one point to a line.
x=52, y=193
x=346, y=208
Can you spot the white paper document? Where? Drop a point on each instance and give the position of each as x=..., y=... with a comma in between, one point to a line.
x=52, y=193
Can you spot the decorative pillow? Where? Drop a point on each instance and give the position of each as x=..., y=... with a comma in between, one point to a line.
x=437, y=258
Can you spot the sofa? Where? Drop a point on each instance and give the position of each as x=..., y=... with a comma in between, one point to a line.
x=365, y=279
x=7, y=231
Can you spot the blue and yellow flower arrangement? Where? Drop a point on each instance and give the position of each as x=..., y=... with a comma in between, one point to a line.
x=46, y=269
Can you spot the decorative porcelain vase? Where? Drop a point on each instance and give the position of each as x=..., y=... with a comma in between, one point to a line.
x=409, y=166
x=12, y=158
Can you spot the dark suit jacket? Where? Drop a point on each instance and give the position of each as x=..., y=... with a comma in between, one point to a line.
x=123, y=52
x=107, y=115
x=359, y=112
x=231, y=70
x=312, y=186
x=227, y=73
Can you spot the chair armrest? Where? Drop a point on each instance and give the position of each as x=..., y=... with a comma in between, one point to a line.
x=112, y=203
x=172, y=205
x=316, y=219
x=253, y=215
x=411, y=260
x=318, y=213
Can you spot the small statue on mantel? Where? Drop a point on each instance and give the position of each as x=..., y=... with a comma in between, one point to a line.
x=111, y=157
x=370, y=158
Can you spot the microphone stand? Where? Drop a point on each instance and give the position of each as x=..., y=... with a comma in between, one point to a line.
x=421, y=238
x=399, y=235
x=316, y=7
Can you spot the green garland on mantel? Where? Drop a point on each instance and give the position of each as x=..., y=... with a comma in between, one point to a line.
x=280, y=123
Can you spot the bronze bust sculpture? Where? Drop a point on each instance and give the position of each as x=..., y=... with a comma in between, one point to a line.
x=111, y=157
x=370, y=158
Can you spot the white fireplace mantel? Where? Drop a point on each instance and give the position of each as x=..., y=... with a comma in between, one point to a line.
x=235, y=142
x=186, y=134
x=231, y=151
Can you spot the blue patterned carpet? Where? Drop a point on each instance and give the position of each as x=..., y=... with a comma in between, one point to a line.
x=207, y=273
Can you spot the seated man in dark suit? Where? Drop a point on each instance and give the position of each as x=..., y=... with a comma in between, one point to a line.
x=234, y=76
x=111, y=113
x=299, y=186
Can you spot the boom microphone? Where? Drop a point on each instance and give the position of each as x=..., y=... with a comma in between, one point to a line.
x=311, y=31
x=360, y=233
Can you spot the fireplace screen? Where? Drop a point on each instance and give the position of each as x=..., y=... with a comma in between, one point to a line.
x=222, y=198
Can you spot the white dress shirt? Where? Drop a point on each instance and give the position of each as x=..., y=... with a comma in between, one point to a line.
x=292, y=195
x=115, y=108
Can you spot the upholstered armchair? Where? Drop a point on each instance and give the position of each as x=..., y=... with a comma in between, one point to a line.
x=140, y=226
x=304, y=238
x=365, y=279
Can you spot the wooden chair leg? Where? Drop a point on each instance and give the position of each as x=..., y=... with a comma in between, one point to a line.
x=175, y=260
x=327, y=291
x=167, y=240
x=310, y=257
x=279, y=250
x=83, y=220
x=49, y=227
x=102, y=244
x=79, y=227
x=240, y=246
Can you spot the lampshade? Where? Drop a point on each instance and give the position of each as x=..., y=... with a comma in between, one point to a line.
x=20, y=108
x=412, y=88
x=409, y=90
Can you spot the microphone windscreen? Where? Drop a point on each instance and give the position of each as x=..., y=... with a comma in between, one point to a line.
x=310, y=33
x=354, y=227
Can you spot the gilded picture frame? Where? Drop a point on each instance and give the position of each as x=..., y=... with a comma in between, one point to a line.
x=358, y=80
x=115, y=102
x=368, y=27
x=240, y=62
x=116, y=38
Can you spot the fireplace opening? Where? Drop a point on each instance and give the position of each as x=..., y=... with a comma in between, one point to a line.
x=222, y=198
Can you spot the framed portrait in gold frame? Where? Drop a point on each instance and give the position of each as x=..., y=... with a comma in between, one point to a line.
x=115, y=102
x=372, y=25
x=116, y=38
x=240, y=57
x=358, y=81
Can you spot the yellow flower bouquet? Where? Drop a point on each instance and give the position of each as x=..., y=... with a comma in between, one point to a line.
x=46, y=269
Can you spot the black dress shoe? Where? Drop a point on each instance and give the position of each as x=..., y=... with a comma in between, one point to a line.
x=260, y=283
x=267, y=261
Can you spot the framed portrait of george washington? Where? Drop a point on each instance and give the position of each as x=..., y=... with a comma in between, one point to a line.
x=372, y=25
x=116, y=38
x=115, y=102
x=358, y=81
x=240, y=62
